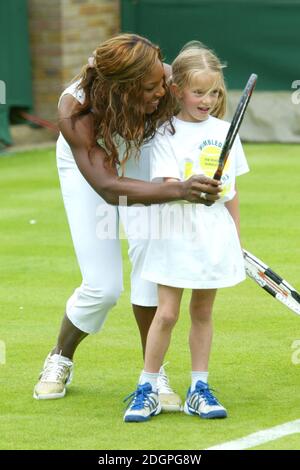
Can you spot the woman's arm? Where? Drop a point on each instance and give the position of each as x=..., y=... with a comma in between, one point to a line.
x=233, y=207
x=90, y=159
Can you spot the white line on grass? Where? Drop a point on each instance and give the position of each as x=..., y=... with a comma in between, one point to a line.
x=260, y=437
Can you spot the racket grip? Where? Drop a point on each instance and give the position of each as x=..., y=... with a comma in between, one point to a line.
x=218, y=174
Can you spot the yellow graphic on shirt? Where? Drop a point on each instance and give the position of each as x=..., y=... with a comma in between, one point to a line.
x=209, y=159
x=207, y=164
x=188, y=168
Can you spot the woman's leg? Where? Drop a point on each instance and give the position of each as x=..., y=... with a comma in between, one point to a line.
x=95, y=235
x=94, y=230
x=143, y=316
x=68, y=339
x=143, y=295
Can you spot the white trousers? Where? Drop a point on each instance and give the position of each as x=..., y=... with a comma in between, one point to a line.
x=94, y=229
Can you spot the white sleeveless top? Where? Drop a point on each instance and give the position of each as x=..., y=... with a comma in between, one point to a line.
x=138, y=169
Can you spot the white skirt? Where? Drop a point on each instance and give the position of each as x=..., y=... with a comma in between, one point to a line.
x=195, y=247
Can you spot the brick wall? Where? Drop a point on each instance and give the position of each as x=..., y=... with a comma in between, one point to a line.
x=62, y=35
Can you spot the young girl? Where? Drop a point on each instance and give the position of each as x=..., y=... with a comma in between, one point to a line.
x=197, y=247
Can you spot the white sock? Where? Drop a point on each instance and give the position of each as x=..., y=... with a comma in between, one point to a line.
x=196, y=375
x=149, y=377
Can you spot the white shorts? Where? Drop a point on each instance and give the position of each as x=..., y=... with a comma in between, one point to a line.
x=135, y=221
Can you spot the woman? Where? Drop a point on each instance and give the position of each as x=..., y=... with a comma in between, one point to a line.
x=108, y=113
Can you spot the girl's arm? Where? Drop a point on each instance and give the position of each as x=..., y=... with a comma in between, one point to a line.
x=90, y=159
x=233, y=207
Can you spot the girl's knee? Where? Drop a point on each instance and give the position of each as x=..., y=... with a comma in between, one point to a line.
x=167, y=319
x=201, y=305
x=201, y=314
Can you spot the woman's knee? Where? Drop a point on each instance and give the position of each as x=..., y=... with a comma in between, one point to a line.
x=98, y=297
x=110, y=297
x=106, y=296
x=88, y=307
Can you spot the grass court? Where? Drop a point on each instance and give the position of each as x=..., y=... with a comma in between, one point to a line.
x=251, y=369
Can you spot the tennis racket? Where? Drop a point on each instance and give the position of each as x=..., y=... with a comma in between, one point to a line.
x=235, y=125
x=271, y=282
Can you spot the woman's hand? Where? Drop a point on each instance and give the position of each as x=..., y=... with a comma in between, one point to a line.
x=200, y=188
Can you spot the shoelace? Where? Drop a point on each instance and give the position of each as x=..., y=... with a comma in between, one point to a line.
x=163, y=381
x=54, y=371
x=163, y=384
x=138, y=397
x=205, y=393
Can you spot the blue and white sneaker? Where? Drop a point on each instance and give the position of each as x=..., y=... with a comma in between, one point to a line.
x=143, y=405
x=203, y=403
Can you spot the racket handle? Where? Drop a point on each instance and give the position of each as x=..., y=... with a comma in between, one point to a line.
x=218, y=174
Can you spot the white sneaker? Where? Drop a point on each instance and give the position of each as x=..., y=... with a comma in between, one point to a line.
x=203, y=403
x=169, y=400
x=144, y=403
x=56, y=374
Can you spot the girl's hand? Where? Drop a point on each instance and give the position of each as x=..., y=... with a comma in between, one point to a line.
x=201, y=189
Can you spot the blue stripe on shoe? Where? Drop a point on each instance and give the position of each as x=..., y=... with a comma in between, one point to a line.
x=214, y=414
x=200, y=398
x=136, y=418
x=143, y=404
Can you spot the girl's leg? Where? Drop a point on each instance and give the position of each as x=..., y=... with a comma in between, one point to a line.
x=201, y=331
x=200, y=400
x=145, y=401
x=144, y=293
x=159, y=335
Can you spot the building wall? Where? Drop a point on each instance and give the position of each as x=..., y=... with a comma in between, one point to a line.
x=62, y=35
x=264, y=39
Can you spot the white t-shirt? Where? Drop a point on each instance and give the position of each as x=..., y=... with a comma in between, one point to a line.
x=194, y=246
x=195, y=149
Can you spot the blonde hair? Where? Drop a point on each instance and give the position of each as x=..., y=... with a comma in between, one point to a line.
x=195, y=58
x=114, y=93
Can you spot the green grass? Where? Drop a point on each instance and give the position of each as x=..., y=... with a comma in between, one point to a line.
x=251, y=366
